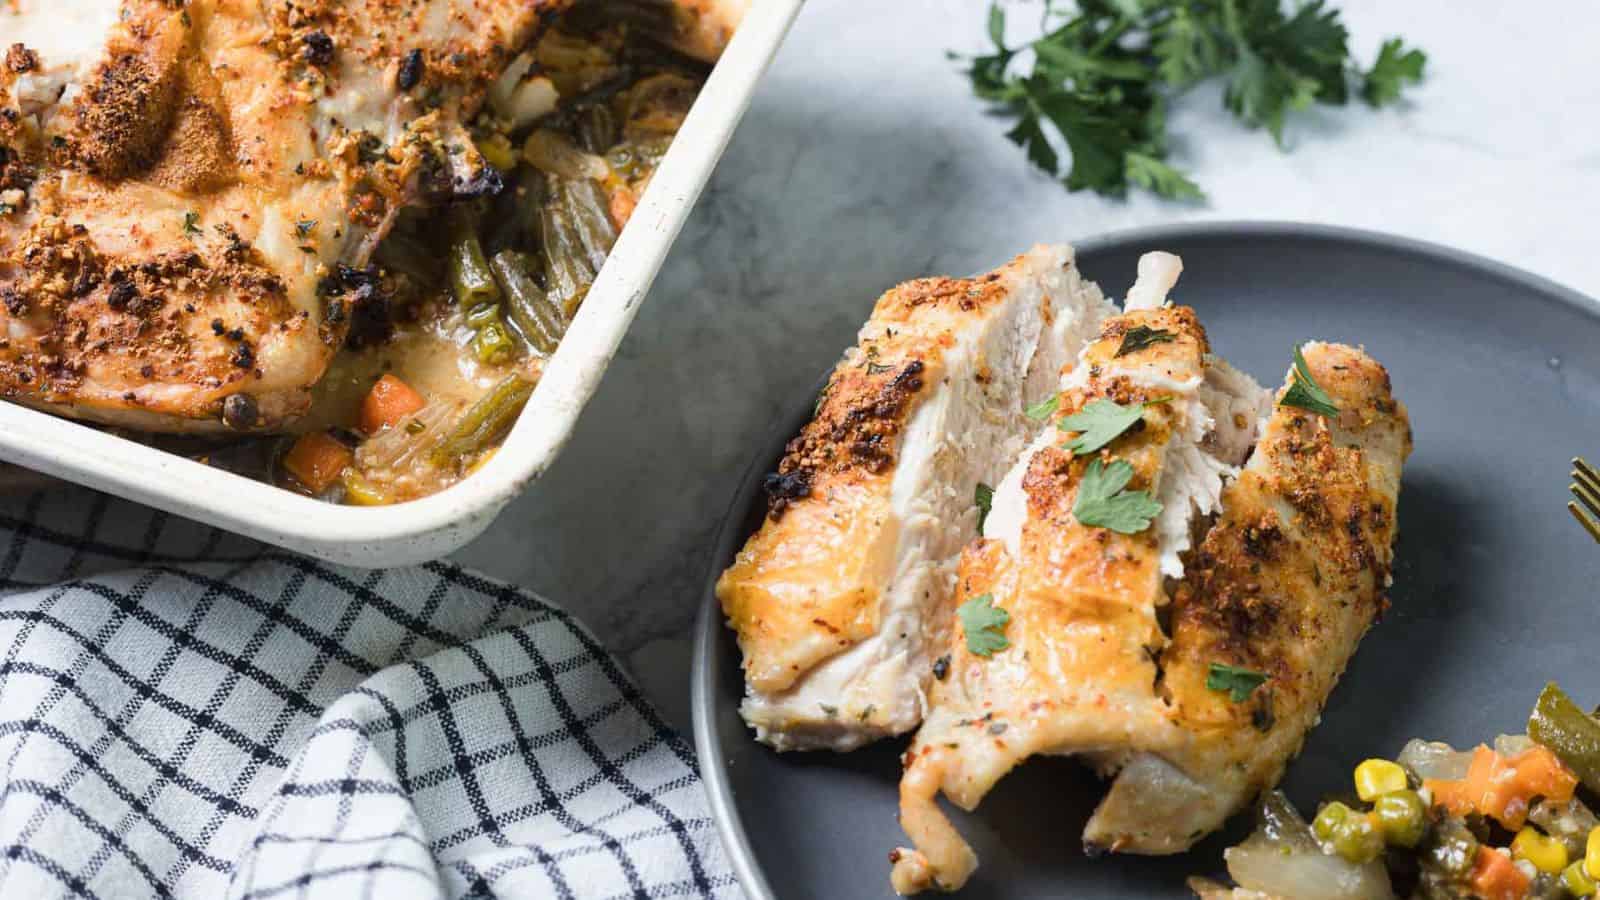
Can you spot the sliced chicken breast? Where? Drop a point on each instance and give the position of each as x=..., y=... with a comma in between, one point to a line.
x=1078, y=675
x=1284, y=585
x=840, y=599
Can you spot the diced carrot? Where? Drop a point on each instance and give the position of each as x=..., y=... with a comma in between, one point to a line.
x=623, y=201
x=389, y=401
x=316, y=460
x=1502, y=787
x=1494, y=877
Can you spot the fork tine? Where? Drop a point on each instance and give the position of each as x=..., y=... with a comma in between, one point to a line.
x=1588, y=496
x=1586, y=475
x=1588, y=524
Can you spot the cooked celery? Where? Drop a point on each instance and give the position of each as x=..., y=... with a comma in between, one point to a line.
x=567, y=271
x=470, y=278
x=588, y=207
x=530, y=311
x=1574, y=737
x=482, y=314
x=553, y=153
x=492, y=344
x=485, y=422
x=597, y=128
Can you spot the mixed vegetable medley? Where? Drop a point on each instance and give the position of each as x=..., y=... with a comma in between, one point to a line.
x=476, y=295
x=1510, y=821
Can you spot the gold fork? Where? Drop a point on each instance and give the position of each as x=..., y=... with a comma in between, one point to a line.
x=1586, y=487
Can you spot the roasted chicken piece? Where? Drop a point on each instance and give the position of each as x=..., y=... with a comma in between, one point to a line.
x=189, y=193
x=1285, y=585
x=840, y=599
x=1078, y=674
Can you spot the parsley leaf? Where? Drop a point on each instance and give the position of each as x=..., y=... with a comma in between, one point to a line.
x=1305, y=393
x=1102, y=502
x=984, y=624
x=191, y=223
x=983, y=496
x=1141, y=336
x=1238, y=683
x=1100, y=422
x=1041, y=410
x=1391, y=71
x=1097, y=79
x=304, y=227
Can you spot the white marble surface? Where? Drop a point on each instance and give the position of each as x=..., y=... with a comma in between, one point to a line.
x=865, y=161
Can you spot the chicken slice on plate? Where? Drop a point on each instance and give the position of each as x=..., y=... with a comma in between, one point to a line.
x=1284, y=586
x=1075, y=670
x=839, y=600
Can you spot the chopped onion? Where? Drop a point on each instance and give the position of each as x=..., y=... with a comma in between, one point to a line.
x=553, y=153
x=1435, y=759
x=1282, y=858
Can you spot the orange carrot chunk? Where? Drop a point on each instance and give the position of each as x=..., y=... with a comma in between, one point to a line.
x=389, y=402
x=316, y=460
x=1495, y=878
x=1503, y=787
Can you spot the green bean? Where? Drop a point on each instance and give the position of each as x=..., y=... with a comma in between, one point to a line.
x=1558, y=724
x=567, y=272
x=482, y=314
x=531, y=312
x=470, y=277
x=596, y=128
x=492, y=344
x=485, y=422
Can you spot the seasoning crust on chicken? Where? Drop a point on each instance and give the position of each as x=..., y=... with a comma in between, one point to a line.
x=190, y=193
x=1285, y=584
x=839, y=599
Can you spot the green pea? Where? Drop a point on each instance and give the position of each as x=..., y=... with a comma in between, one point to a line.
x=1401, y=817
x=1355, y=839
x=1328, y=817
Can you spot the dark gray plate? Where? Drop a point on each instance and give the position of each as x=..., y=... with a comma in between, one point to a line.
x=1494, y=585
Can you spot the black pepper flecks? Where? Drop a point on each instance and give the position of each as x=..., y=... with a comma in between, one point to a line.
x=410, y=73
x=941, y=667
x=240, y=411
x=318, y=48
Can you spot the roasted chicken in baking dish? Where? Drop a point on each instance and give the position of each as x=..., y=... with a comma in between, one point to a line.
x=837, y=599
x=226, y=216
x=1091, y=623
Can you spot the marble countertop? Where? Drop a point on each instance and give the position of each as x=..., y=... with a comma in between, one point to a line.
x=865, y=161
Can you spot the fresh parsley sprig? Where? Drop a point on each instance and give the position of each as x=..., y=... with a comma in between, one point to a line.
x=1305, y=393
x=983, y=498
x=1102, y=501
x=1238, y=683
x=984, y=625
x=1100, y=422
x=1100, y=81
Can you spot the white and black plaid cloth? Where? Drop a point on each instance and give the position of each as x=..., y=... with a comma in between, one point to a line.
x=185, y=713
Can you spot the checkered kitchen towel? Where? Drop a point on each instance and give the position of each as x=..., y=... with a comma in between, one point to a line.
x=185, y=713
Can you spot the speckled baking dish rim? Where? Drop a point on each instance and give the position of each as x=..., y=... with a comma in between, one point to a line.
x=434, y=526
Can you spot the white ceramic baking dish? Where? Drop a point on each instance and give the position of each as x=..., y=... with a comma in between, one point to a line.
x=434, y=526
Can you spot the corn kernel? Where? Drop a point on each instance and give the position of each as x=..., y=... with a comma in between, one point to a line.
x=1376, y=777
x=1591, y=854
x=1576, y=881
x=1546, y=853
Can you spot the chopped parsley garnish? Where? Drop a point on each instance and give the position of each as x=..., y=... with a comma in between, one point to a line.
x=1102, y=502
x=304, y=227
x=1100, y=422
x=875, y=369
x=1141, y=336
x=191, y=223
x=1100, y=77
x=1305, y=393
x=1238, y=683
x=1041, y=410
x=984, y=625
x=7, y=209
x=983, y=496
